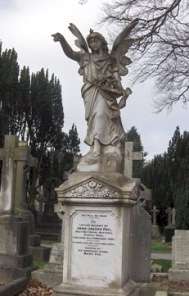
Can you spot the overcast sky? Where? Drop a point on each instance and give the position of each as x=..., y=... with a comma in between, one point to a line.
x=27, y=26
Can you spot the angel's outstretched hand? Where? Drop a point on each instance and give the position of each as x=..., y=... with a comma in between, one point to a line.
x=126, y=93
x=57, y=37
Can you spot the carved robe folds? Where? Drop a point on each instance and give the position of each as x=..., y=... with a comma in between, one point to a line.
x=99, y=92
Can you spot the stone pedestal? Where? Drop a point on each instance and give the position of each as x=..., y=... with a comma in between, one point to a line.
x=51, y=274
x=14, y=252
x=106, y=236
x=156, y=232
x=180, y=256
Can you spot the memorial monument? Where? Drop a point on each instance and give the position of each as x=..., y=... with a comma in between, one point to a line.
x=155, y=227
x=105, y=251
x=14, y=229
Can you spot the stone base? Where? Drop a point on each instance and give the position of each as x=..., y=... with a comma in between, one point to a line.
x=110, y=161
x=51, y=274
x=14, y=253
x=34, y=240
x=169, y=233
x=40, y=253
x=13, y=287
x=155, y=232
x=51, y=278
x=22, y=261
x=130, y=289
x=14, y=235
x=105, y=251
x=178, y=275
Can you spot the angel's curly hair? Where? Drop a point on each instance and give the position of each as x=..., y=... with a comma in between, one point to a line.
x=93, y=34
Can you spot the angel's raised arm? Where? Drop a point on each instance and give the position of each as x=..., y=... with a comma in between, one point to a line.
x=74, y=55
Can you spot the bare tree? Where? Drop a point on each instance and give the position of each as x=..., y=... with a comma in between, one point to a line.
x=161, y=43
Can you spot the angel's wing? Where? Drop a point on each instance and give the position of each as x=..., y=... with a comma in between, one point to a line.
x=121, y=46
x=80, y=41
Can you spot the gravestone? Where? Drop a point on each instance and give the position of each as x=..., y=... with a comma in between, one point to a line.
x=155, y=228
x=51, y=275
x=129, y=157
x=25, y=162
x=16, y=160
x=14, y=229
x=7, y=176
x=169, y=214
x=180, y=256
x=15, y=157
x=170, y=228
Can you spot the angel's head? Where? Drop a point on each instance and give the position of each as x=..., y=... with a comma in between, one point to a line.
x=97, y=42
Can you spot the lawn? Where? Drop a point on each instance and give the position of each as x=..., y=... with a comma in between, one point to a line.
x=160, y=247
x=39, y=264
x=165, y=264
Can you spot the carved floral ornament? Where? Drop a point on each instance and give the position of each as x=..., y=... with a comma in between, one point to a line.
x=135, y=193
x=92, y=189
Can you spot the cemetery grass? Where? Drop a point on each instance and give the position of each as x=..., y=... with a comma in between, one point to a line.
x=160, y=247
x=165, y=264
x=39, y=264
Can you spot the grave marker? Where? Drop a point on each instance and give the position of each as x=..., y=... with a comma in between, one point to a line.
x=130, y=156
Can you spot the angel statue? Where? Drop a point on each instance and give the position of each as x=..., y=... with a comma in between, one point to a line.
x=101, y=88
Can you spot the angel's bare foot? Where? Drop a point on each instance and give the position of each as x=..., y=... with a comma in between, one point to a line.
x=97, y=148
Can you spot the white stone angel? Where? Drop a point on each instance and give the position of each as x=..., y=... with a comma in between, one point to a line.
x=102, y=86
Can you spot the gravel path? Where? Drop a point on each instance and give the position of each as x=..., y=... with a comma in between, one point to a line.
x=166, y=256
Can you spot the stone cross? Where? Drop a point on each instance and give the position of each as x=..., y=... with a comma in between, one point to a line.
x=169, y=212
x=14, y=156
x=130, y=155
x=7, y=175
x=155, y=211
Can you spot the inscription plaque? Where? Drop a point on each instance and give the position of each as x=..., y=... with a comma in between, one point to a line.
x=94, y=241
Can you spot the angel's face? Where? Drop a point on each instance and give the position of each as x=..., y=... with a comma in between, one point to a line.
x=95, y=44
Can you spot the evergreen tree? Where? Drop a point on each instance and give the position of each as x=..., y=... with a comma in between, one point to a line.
x=173, y=155
x=168, y=177
x=9, y=73
x=180, y=172
x=73, y=141
x=31, y=108
x=24, y=102
x=155, y=176
x=182, y=207
x=133, y=136
x=46, y=118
